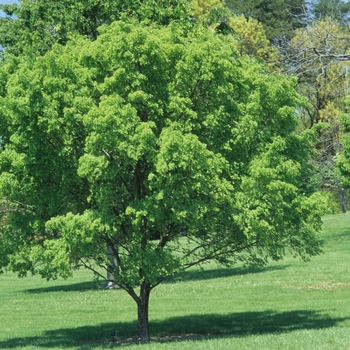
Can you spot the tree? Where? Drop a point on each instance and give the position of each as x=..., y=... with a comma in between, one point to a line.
x=318, y=55
x=279, y=17
x=252, y=41
x=337, y=10
x=34, y=26
x=202, y=7
x=343, y=164
x=248, y=34
x=126, y=141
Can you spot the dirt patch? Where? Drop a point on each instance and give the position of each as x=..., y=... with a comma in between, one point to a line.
x=165, y=338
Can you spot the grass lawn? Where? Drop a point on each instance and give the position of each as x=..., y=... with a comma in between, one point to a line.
x=287, y=305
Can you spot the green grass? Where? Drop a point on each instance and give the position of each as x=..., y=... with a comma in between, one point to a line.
x=287, y=305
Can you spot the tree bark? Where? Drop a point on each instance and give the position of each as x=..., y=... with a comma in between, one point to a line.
x=142, y=310
x=113, y=265
x=342, y=198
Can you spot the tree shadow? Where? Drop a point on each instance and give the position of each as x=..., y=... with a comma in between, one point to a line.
x=195, y=275
x=246, y=323
x=73, y=287
x=186, y=276
x=204, y=326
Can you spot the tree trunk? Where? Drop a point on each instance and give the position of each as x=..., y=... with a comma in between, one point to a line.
x=113, y=265
x=110, y=280
x=142, y=310
x=342, y=198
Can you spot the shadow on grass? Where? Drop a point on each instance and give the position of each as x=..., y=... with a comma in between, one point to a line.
x=195, y=275
x=191, y=275
x=72, y=287
x=236, y=324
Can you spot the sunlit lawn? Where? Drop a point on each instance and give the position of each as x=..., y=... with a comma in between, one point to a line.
x=287, y=305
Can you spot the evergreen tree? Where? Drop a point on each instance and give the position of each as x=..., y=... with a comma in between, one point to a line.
x=338, y=10
x=279, y=17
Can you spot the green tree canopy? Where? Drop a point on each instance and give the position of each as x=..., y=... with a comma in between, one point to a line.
x=252, y=41
x=112, y=147
x=35, y=26
x=203, y=7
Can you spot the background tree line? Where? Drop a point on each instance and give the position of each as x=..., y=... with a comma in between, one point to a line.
x=309, y=40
